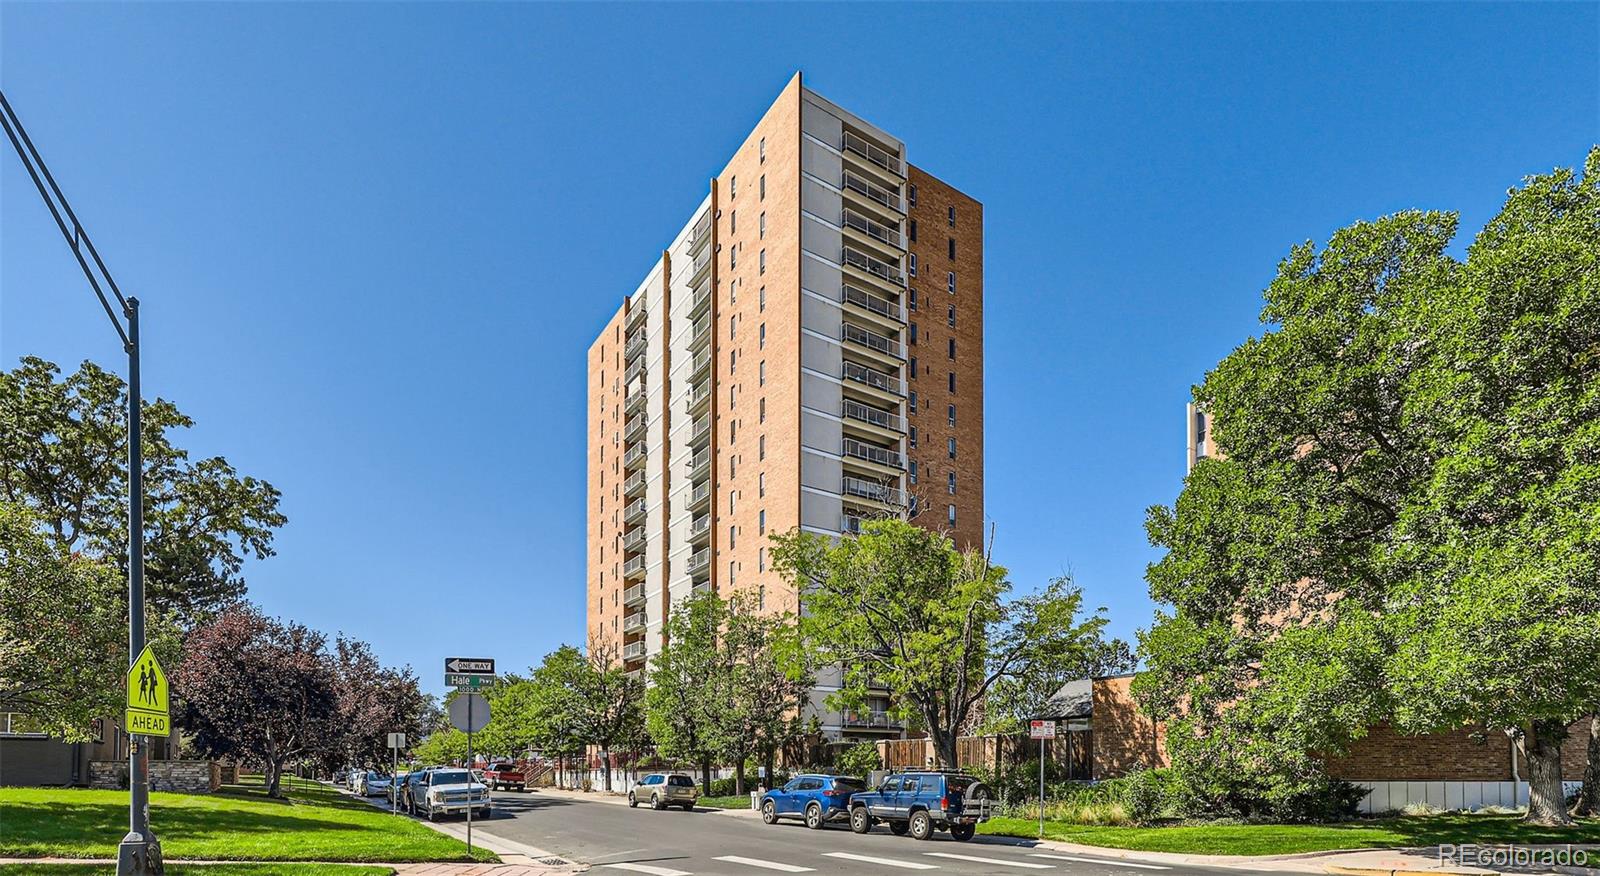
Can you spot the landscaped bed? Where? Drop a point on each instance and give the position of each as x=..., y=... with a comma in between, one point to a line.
x=1287, y=839
x=239, y=823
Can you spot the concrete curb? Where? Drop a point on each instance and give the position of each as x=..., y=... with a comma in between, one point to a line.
x=1344, y=870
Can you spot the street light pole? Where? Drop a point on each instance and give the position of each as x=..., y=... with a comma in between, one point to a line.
x=139, y=854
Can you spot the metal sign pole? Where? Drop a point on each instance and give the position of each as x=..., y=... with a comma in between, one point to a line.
x=470, y=698
x=1041, y=787
x=394, y=775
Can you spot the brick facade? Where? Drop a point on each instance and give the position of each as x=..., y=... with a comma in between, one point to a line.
x=181, y=776
x=1124, y=739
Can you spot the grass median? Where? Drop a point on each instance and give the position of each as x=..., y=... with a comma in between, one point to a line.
x=239, y=823
x=733, y=801
x=1289, y=839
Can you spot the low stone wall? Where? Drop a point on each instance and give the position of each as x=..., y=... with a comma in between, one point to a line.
x=183, y=776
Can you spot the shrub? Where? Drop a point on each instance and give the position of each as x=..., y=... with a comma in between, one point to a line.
x=859, y=760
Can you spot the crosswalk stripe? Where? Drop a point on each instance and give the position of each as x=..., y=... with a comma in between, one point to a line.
x=767, y=865
x=646, y=868
x=887, y=862
x=999, y=861
x=1109, y=862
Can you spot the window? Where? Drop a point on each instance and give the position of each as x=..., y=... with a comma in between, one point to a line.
x=950, y=514
x=952, y=247
x=761, y=371
x=761, y=337
x=951, y=411
x=761, y=485
x=913, y=405
x=761, y=262
x=761, y=300
x=761, y=448
x=913, y=367
x=761, y=566
x=913, y=471
x=912, y=195
x=762, y=417
x=733, y=326
x=913, y=334
x=952, y=381
x=733, y=568
x=761, y=516
x=761, y=150
x=733, y=533
x=952, y=483
x=733, y=360
x=733, y=187
x=913, y=229
x=763, y=195
x=733, y=221
x=733, y=291
x=912, y=265
x=950, y=282
x=950, y=319
x=733, y=257
x=762, y=230
x=952, y=217
x=951, y=343
x=913, y=436
x=913, y=299
x=951, y=448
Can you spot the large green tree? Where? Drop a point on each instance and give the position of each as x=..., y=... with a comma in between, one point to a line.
x=901, y=604
x=766, y=679
x=610, y=704
x=687, y=684
x=1403, y=524
x=63, y=454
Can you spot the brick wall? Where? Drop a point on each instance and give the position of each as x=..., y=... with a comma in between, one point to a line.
x=1124, y=739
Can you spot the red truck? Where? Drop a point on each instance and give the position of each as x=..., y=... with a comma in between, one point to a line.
x=504, y=775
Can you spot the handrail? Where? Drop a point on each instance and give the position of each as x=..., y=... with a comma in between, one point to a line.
x=874, y=379
x=875, y=303
x=872, y=452
x=864, y=262
x=877, y=155
x=872, y=340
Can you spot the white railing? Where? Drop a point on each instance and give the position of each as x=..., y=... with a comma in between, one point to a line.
x=633, y=650
x=874, y=379
x=872, y=340
x=634, y=370
x=634, y=540
x=871, y=453
x=702, y=297
x=637, y=311
x=879, y=156
x=634, y=482
x=634, y=510
x=700, y=525
x=697, y=395
x=702, y=428
x=633, y=622
x=699, y=561
x=701, y=360
x=872, y=229
x=633, y=567
x=700, y=333
x=701, y=493
x=872, y=192
x=873, y=266
x=848, y=523
x=702, y=230
x=633, y=594
x=869, y=719
x=634, y=454
x=882, y=306
x=636, y=345
x=699, y=461
x=867, y=414
x=874, y=491
x=701, y=261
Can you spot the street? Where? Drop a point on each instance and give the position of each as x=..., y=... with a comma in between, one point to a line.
x=611, y=837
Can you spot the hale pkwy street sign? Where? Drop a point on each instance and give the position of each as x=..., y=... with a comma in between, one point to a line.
x=148, y=713
x=455, y=679
x=470, y=665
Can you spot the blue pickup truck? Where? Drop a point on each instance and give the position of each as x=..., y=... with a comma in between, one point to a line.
x=920, y=802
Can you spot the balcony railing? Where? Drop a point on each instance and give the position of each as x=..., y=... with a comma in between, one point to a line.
x=701, y=493
x=872, y=266
x=697, y=396
x=634, y=541
x=634, y=455
x=874, y=193
x=702, y=298
x=874, y=379
x=699, y=561
x=637, y=311
x=700, y=526
x=874, y=491
x=635, y=397
x=702, y=428
x=699, y=463
x=700, y=333
x=881, y=157
x=867, y=414
x=633, y=651
x=634, y=370
x=701, y=261
x=881, y=306
x=872, y=452
x=881, y=720
x=872, y=229
x=848, y=523
x=702, y=230
x=633, y=622
x=700, y=586
x=636, y=345
x=635, y=511
x=633, y=568
x=632, y=595
x=702, y=361
x=635, y=426
x=633, y=484
x=872, y=341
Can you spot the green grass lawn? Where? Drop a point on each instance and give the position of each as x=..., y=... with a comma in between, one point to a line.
x=1287, y=839
x=733, y=801
x=200, y=870
x=240, y=823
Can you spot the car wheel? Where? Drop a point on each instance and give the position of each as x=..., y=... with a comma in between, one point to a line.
x=860, y=821
x=814, y=817
x=433, y=815
x=688, y=807
x=898, y=828
x=633, y=803
x=769, y=812
x=921, y=826
x=962, y=832
x=656, y=804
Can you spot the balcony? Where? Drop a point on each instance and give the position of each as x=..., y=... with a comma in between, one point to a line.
x=634, y=623
x=633, y=430
x=699, y=464
x=701, y=365
x=700, y=335
x=635, y=511
x=701, y=299
x=635, y=397
x=871, y=720
x=849, y=524
x=873, y=341
x=702, y=263
x=876, y=492
x=633, y=569
x=702, y=431
x=877, y=231
x=876, y=267
x=872, y=303
x=872, y=453
x=633, y=541
x=875, y=379
x=855, y=410
x=701, y=586
x=633, y=595
x=634, y=485
x=634, y=674
x=637, y=310
x=702, y=231
x=634, y=457
x=852, y=184
x=700, y=528
x=699, y=561
x=634, y=370
x=636, y=344
x=700, y=497
x=633, y=651
x=699, y=394
x=879, y=156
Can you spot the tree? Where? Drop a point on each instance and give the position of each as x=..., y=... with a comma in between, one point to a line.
x=63, y=630
x=554, y=705
x=765, y=682
x=374, y=701
x=686, y=679
x=257, y=689
x=1401, y=526
x=63, y=455
x=610, y=703
x=901, y=604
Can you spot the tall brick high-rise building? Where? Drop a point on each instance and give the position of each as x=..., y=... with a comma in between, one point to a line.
x=807, y=352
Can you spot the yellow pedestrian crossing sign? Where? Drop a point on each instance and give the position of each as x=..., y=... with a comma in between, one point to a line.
x=148, y=713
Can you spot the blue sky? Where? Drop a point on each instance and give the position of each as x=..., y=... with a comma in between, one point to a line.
x=374, y=241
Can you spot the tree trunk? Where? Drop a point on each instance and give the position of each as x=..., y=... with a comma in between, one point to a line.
x=1589, y=797
x=561, y=772
x=768, y=761
x=274, y=776
x=738, y=778
x=705, y=775
x=1547, y=805
x=605, y=758
x=944, y=749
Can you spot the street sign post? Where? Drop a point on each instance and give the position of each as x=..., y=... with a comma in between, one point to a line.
x=469, y=712
x=397, y=741
x=1041, y=730
x=149, y=710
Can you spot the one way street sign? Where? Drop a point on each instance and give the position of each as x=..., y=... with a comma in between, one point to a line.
x=470, y=665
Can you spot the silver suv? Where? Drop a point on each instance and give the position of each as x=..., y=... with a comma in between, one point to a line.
x=665, y=789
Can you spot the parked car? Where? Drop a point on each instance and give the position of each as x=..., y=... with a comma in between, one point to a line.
x=409, y=789
x=353, y=780
x=921, y=802
x=504, y=775
x=447, y=790
x=816, y=799
x=397, y=789
x=373, y=784
x=663, y=790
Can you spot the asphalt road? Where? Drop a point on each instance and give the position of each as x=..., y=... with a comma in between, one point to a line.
x=617, y=840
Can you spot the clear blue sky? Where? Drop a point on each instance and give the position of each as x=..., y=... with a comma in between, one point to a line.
x=374, y=241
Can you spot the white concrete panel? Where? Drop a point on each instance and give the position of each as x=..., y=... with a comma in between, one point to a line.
x=822, y=317
x=820, y=161
x=822, y=277
x=1454, y=793
x=1435, y=795
x=823, y=198
x=821, y=356
x=820, y=512
x=1471, y=795
x=825, y=241
x=824, y=434
x=1378, y=800
x=821, y=394
x=820, y=123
